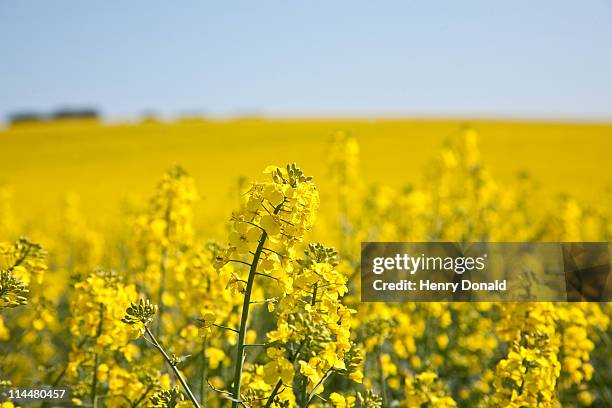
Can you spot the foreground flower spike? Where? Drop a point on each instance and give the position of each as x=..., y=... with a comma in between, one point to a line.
x=311, y=341
x=272, y=220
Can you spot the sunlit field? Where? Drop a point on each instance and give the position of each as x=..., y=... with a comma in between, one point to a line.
x=105, y=165
x=194, y=264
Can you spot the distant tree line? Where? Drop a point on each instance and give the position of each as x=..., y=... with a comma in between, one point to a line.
x=32, y=116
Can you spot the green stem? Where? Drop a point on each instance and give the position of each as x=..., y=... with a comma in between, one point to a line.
x=313, y=301
x=274, y=392
x=20, y=260
x=142, y=397
x=203, y=388
x=245, y=315
x=244, y=320
x=174, y=369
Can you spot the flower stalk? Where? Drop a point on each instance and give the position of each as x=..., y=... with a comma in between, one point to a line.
x=245, y=314
x=172, y=365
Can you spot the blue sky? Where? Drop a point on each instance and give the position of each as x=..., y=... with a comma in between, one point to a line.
x=519, y=59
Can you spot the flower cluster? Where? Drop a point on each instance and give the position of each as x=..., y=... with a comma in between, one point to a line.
x=20, y=264
x=312, y=326
x=528, y=375
x=99, y=338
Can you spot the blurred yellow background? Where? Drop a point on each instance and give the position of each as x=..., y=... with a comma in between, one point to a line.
x=107, y=164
